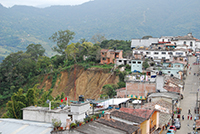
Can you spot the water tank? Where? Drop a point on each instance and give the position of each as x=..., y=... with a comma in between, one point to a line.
x=81, y=98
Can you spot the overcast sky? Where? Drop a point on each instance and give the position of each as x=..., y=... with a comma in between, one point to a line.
x=41, y=3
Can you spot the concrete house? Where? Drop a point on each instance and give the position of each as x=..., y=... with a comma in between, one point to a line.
x=185, y=40
x=136, y=65
x=146, y=120
x=76, y=111
x=110, y=56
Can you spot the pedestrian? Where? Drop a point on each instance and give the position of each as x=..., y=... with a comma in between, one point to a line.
x=166, y=126
x=182, y=117
x=191, y=117
x=189, y=111
x=188, y=117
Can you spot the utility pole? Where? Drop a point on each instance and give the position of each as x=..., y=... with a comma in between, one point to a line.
x=172, y=110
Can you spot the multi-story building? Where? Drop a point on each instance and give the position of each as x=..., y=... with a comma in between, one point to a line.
x=110, y=56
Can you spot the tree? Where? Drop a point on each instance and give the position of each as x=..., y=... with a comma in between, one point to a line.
x=109, y=89
x=145, y=64
x=62, y=39
x=147, y=37
x=35, y=50
x=62, y=95
x=18, y=101
x=71, y=51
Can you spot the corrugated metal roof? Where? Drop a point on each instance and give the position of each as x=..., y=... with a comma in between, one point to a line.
x=16, y=126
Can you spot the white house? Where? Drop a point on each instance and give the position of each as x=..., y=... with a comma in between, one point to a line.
x=44, y=114
x=143, y=42
x=155, y=54
x=185, y=40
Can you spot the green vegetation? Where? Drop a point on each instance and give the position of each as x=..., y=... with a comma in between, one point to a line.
x=20, y=71
x=22, y=25
x=145, y=64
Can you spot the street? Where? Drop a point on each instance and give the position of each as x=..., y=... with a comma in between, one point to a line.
x=190, y=97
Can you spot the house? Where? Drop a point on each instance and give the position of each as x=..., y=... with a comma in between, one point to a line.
x=138, y=86
x=108, y=125
x=143, y=42
x=76, y=111
x=136, y=65
x=147, y=123
x=185, y=40
x=165, y=111
x=103, y=126
x=165, y=96
x=123, y=61
x=110, y=56
x=151, y=117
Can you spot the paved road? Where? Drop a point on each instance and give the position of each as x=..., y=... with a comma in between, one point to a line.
x=189, y=101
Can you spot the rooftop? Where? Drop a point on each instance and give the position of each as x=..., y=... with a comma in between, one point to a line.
x=128, y=117
x=8, y=126
x=118, y=125
x=144, y=113
x=172, y=89
x=97, y=127
x=165, y=106
x=164, y=94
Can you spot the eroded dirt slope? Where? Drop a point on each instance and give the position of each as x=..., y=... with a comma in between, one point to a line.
x=88, y=82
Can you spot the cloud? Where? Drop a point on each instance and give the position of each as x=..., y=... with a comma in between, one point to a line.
x=10, y=3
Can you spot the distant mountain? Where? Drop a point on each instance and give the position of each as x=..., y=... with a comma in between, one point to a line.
x=117, y=19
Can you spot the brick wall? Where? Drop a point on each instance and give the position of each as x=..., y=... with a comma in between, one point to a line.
x=140, y=89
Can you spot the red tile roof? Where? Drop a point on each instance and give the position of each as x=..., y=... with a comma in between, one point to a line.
x=172, y=89
x=127, y=116
x=104, y=50
x=144, y=113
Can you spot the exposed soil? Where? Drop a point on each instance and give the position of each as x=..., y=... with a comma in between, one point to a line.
x=88, y=82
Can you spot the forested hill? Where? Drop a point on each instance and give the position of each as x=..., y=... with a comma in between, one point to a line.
x=117, y=19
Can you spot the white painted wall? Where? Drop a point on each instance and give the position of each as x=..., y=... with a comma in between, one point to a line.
x=143, y=42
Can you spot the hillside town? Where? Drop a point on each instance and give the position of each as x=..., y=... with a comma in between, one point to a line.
x=160, y=96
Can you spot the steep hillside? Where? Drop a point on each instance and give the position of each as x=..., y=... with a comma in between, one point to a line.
x=117, y=19
x=88, y=82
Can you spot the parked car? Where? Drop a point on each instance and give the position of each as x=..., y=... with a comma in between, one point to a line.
x=194, y=126
x=172, y=128
x=170, y=131
x=177, y=125
x=176, y=120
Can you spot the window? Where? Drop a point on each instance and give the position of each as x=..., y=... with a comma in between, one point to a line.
x=103, y=58
x=155, y=52
x=155, y=57
x=170, y=53
x=191, y=43
x=168, y=72
x=163, y=52
x=147, y=52
x=120, y=60
x=139, y=62
x=134, y=62
x=184, y=42
x=129, y=61
x=179, y=53
x=163, y=58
